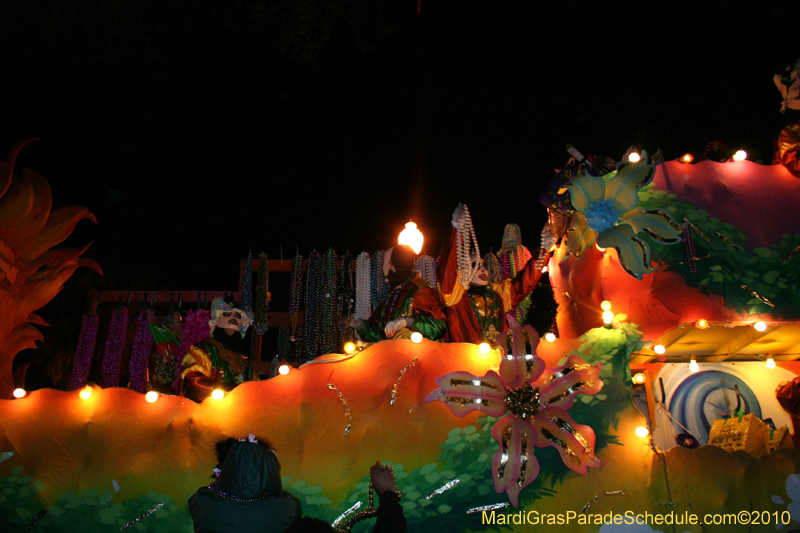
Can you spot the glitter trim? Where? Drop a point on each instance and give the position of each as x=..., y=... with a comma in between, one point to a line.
x=501, y=470
x=564, y=446
x=397, y=381
x=492, y=507
x=447, y=486
x=565, y=426
x=523, y=459
x=472, y=382
x=607, y=493
x=347, y=407
x=142, y=516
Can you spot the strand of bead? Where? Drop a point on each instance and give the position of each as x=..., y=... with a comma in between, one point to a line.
x=247, y=286
x=140, y=354
x=346, y=296
x=493, y=267
x=261, y=323
x=380, y=288
x=425, y=266
x=85, y=351
x=296, y=285
x=465, y=242
x=311, y=322
x=330, y=299
x=363, y=291
x=115, y=342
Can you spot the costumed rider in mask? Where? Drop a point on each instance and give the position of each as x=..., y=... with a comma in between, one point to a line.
x=476, y=309
x=412, y=306
x=218, y=362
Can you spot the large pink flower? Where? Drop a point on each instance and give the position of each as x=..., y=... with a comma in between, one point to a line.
x=533, y=403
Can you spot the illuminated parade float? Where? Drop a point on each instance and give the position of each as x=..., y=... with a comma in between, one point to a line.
x=665, y=390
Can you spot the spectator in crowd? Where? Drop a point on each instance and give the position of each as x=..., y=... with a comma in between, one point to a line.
x=247, y=496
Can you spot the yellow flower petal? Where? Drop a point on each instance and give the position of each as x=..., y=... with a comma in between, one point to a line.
x=579, y=236
x=623, y=188
x=658, y=224
x=585, y=189
x=634, y=253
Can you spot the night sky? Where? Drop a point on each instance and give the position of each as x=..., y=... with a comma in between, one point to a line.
x=196, y=132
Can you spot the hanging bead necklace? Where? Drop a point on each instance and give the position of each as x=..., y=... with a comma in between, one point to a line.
x=296, y=284
x=493, y=267
x=380, y=287
x=85, y=351
x=247, y=286
x=261, y=322
x=346, y=295
x=313, y=312
x=465, y=243
x=363, y=291
x=115, y=343
x=329, y=300
x=142, y=348
x=425, y=266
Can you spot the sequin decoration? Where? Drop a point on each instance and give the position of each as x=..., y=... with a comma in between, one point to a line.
x=115, y=343
x=790, y=254
x=607, y=493
x=84, y=352
x=36, y=518
x=492, y=507
x=347, y=415
x=754, y=293
x=397, y=381
x=345, y=514
x=142, y=516
x=140, y=353
x=447, y=486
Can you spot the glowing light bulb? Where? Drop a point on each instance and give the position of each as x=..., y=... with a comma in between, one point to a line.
x=412, y=237
x=85, y=393
x=702, y=323
x=484, y=347
x=151, y=396
x=693, y=366
x=608, y=316
x=740, y=155
x=218, y=394
x=770, y=363
x=599, y=248
x=544, y=269
x=642, y=432
x=687, y=158
x=760, y=326
x=634, y=157
x=283, y=369
x=550, y=336
x=638, y=378
x=605, y=305
x=19, y=393
x=416, y=337
x=349, y=348
x=659, y=349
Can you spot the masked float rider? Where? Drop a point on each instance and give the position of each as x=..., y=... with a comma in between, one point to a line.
x=476, y=309
x=412, y=306
x=218, y=362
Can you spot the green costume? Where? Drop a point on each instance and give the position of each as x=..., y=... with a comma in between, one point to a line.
x=414, y=301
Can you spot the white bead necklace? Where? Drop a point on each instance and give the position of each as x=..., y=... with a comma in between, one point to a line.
x=465, y=241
